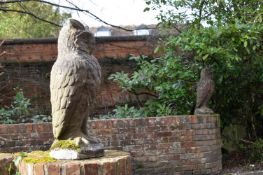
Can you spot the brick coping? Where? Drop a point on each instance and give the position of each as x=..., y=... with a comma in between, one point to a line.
x=216, y=116
x=54, y=40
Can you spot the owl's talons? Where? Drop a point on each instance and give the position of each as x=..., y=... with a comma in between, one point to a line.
x=89, y=146
x=82, y=139
x=77, y=140
x=203, y=110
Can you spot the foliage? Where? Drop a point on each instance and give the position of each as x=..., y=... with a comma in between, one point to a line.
x=254, y=150
x=124, y=112
x=227, y=36
x=168, y=80
x=21, y=104
x=17, y=25
x=202, y=12
x=232, y=135
x=41, y=118
x=20, y=110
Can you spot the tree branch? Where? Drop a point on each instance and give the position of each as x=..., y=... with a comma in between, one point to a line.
x=143, y=93
x=2, y=53
x=75, y=8
x=29, y=13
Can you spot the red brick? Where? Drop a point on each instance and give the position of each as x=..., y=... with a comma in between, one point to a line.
x=193, y=119
x=91, y=169
x=108, y=168
x=121, y=167
x=72, y=169
x=164, y=134
x=39, y=169
x=129, y=166
x=29, y=128
x=53, y=169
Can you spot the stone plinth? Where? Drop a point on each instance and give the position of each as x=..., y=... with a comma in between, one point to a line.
x=113, y=163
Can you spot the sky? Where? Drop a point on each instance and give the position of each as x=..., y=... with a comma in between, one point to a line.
x=116, y=12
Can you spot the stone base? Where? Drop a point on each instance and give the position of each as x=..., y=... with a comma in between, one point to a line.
x=66, y=154
x=112, y=163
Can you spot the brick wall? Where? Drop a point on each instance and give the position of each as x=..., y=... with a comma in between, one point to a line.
x=27, y=64
x=39, y=50
x=164, y=145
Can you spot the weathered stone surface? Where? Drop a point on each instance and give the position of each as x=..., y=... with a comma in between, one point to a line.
x=74, y=83
x=66, y=154
x=205, y=89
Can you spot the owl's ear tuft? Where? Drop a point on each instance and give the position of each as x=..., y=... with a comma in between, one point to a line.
x=76, y=24
x=85, y=40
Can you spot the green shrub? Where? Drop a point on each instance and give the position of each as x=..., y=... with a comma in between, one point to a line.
x=168, y=81
x=253, y=150
x=20, y=111
x=124, y=112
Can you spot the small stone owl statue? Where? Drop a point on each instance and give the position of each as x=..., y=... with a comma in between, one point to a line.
x=205, y=90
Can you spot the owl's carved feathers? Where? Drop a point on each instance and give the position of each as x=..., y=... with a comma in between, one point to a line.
x=75, y=79
x=205, y=89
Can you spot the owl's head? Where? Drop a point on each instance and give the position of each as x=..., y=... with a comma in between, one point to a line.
x=75, y=37
x=206, y=73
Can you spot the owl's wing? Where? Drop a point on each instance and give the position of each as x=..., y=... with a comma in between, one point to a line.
x=204, y=92
x=64, y=83
x=201, y=94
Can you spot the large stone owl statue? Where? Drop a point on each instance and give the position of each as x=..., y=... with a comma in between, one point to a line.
x=74, y=82
x=205, y=89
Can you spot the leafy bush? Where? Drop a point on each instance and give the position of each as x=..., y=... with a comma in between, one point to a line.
x=41, y=118
x=232, y=135
x=168, y=80
x=254, y=151
x=124, y=112
x=20, y=111
x=21, y=104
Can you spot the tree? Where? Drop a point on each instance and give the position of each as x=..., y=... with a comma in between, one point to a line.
x=19, y=25
x=226, y=35
x=32, y=9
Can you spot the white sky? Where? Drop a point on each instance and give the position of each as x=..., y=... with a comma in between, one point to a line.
x=116, y=12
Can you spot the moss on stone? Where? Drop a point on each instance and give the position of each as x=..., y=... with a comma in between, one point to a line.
x=38, y=157
x=65, y=144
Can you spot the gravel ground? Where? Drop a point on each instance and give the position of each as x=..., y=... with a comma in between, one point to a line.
x=247, y=169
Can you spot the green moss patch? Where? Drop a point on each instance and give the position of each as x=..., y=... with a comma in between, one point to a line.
x=38, y=157
x=65, y=144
